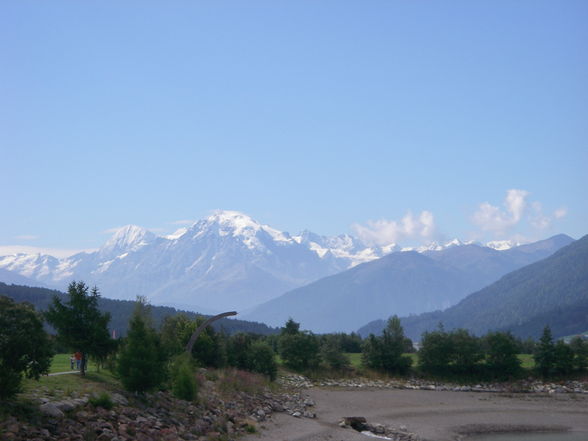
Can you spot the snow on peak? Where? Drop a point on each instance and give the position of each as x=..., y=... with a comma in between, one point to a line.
x=128, y=238
x=241, y=226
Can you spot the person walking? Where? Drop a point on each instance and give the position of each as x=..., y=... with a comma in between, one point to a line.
x=72, y=360
x=78, y=356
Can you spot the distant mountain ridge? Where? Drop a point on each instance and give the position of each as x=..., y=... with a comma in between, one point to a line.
x=552, y=291
x=399, y=283
x=121, y=310
x=225, y=261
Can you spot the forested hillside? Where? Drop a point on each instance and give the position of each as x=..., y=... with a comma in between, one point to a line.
x=121, y=310
x=553, y=291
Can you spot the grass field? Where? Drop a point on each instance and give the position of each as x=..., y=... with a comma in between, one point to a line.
x=60, y=363
x=355, y=359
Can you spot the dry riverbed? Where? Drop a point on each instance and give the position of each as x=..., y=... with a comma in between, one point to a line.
x=428, y=415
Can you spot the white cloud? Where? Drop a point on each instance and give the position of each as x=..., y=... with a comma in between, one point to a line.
x=492, y=218
x=6, y=250
x=560, y=213
x=27, y=237
x=516, y=209
x=385, y=232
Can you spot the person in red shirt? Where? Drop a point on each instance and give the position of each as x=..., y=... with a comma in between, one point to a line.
x=78, y=356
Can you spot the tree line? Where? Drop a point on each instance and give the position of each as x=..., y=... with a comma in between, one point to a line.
x=154, y=356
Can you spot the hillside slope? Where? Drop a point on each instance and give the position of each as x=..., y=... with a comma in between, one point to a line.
x=552, y=291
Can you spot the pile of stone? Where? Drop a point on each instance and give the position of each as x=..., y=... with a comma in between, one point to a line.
x=157, y=416
x=524, y=386
x=380, y=431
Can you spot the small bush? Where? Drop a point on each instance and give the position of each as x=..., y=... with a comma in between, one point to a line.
x=102, y=400
x=249, y=428
x=183, y=379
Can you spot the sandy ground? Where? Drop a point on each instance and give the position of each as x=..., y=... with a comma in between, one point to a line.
x=435, y=416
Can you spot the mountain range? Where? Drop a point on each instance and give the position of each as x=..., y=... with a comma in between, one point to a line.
x=552, y=291
x=400, y=283
x=226, y=261
x=229, y=261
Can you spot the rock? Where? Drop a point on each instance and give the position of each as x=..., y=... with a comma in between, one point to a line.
x=297, y=415
x=357, y=423
x=51, y=410
x=119, y=399
x=66, y=405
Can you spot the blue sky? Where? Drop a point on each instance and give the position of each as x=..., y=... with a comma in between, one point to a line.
x=396, y=120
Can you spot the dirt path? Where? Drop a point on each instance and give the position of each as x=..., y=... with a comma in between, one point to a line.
x=433, y=415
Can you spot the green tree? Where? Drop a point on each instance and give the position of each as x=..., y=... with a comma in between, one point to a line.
x=262, y=360
x=466, y=351
x=580, y=350
x=210, y=346
x=386, y=352
x=332, y=353
x=436, y=351
x=80, y=324
x=545, y=353
x=25, y=348
x=299, y=350
x=563, y=363
x=176, y=331
x=501, y=355
x=142, y=360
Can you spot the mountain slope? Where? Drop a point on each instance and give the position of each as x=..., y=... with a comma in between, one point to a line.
x=121, y=310
x=400, y=283
x=553, y=290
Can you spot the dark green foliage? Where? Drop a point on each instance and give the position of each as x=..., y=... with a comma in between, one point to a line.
x=238, y=350
x=564, y=358
x=299, y=350
x=435, y=352
x=24, y=346
x=103, y=400
x=246, y=352
x=385, y=353
x=176, y=331
x=183, y=379
x=545, y=353
x=466, y=351
x=121, y=311
x=580, y=350
x=262, y=360
x=290, y=328
x=501, y=355
x=332, y=353
x=209, y=349
x=142, y=360
x=80, y=324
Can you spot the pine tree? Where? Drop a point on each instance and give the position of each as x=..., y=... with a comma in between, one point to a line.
x=80, y=324
x=142, y=361
x=545, y=353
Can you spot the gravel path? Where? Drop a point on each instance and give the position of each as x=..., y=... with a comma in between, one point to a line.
x=432, y=415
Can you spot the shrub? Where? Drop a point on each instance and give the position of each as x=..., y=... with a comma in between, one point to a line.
x=183, y=378
x=261, y=359
x=102, y=400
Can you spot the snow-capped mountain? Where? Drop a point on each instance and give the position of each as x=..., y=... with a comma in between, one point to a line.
x=225, y=261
